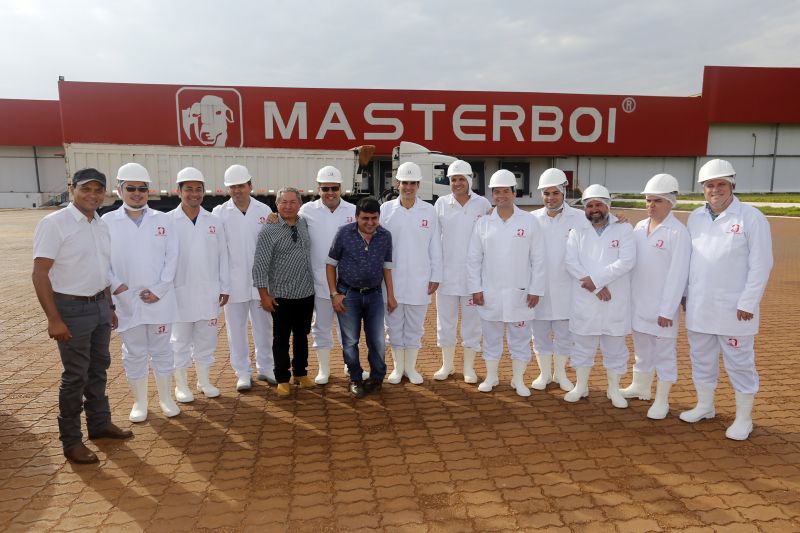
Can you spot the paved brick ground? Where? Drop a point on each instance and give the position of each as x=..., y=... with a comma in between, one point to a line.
x=436, y=457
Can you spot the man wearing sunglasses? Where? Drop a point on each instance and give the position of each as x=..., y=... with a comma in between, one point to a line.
x=285, y=283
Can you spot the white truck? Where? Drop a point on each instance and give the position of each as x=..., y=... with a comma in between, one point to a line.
x=271, y=168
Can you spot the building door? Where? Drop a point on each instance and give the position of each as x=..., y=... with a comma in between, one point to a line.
x=478, y=177
x=522, y=171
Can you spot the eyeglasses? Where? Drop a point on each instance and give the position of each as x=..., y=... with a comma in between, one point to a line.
x=333, y=188
x=134, y=188
x=294, y=233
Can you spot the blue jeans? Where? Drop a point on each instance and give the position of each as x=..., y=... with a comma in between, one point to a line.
x=369, y=309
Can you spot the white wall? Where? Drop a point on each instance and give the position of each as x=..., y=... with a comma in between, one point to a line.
x=18, y=169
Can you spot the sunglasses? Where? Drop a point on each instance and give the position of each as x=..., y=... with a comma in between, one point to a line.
x=134, y=188
x=333, y=188
x=294, y=233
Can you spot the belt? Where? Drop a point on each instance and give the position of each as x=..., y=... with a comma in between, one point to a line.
x=99, y=296
x=364, y=290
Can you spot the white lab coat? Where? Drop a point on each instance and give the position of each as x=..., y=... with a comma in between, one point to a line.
x=202, y=273
x=608, y=260
x=143, y=257
x=456, y=223
x=416, y=249
x=554, y=305
x=241, y=233
x=322, y=227
x=658, y=280
x=729, y=269
x=506, y=262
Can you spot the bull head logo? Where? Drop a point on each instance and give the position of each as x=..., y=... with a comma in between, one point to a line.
x=209, y=116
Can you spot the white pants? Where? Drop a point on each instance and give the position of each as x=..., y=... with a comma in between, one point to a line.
x=551, y=337
x=447, y=319
x=738, y=354
x=236, y=316
x=615, y=352
x=404, y=326
x=322, y=324
x=518, y=337
x=656, y=353
x=146, y=345
x=194, y=341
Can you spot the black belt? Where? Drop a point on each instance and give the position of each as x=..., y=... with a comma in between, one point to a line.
x=363, y=290
x=99, y=296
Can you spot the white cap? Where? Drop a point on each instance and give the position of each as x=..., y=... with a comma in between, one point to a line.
x=236, y=175
x=503, y=178
x=329, y=174
x=552, y=177
x=190, y=174
x=409, y=171
x=717, y=168
x=596, y=191
x=133, y=172
x=459, y=168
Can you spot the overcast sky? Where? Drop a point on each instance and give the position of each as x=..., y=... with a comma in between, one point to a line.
x=625, y=47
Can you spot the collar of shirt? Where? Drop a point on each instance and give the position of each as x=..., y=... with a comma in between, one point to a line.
x=453, y=201
x=77, y=215
x=516, y=212
x=734, y=207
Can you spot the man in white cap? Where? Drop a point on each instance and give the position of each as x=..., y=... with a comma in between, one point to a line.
x=728, y=272
x=658, y=282
x=600, y=257
x=457, y=214
x=202, y=285
x=243, y=217
x=417, y=254
x=144, y=256
x=552, y=341
x=506, y=274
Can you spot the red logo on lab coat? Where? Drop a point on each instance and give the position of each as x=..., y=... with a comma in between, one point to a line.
x=261, y=220
x=349, y=220
x=733, y=343
x=212, y=322
x=161, y=329
x=424, y=223
x=660, y=244
x=212, y=229
x=520, y=325
x=736, y=229
x=520, y=232
x=161, y=231
x=615, y=243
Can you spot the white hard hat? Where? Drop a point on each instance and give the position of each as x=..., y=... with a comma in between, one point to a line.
x=552, y=177
x=661, y=184
x=717, y=168
x=329, y=174
x=459, y=168
x=409, y=171
x=133, y=172
x=503, y=178
x=595, y=191
x=236, y=175
x=190, y=174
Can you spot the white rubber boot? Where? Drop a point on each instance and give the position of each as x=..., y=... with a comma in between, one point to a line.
x=364, y=373
x=164, y=387
x=545, y=371
x=560, y=372
x=641, y=386
x=660, y=407
x=398, y=363
x=203, y=382
x=703, y=409
x=518, y=379
x=469, y=366
x=491, y=376
x=243, y=383
x=139, y=391
x=743, y=425
x=581, y=388
x=410, y=366
x=182, y=391
x=323, y=360
x=612, y=392
x=448, y=354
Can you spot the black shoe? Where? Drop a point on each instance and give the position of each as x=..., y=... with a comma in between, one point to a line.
x=372, y=385
x=357, y=389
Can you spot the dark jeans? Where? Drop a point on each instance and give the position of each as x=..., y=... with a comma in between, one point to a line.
x=369, y=309
x=85, y=358
x=292, y=318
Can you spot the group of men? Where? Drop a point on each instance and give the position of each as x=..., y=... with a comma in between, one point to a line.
x=564, y=279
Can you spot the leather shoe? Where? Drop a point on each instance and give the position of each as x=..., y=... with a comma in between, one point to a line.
x=372, y=385
x=112, y=431
x=357, y=389
x=80, y=454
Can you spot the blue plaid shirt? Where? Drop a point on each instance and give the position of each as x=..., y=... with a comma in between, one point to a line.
x=360, y=264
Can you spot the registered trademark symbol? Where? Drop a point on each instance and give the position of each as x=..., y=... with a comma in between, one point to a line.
x=629, y=105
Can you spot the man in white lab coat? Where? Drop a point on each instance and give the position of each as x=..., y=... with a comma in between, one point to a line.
x=728, y=272
x=242, y=217
x=144, y=256
x=417, y=254
x=552, y=341
x=658, y=282
x=202, y=285
x=457, y=214
x=600, y=257
x=506, y=274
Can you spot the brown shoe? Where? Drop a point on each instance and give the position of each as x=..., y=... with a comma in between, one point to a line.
x=112, y=431
x=305, y=382
x=80, y=454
